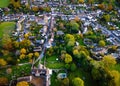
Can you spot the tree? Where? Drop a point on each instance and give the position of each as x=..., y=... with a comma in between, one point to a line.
x=101, y=6
x=102, y=43
x=68, y=58
x=3, y=81
x=22, y=56
x=75, y=52
x=91, y=1
x=25, y=43
x=67, y=66
x=22, y=83
x=73, y=67
x=74, y=26
x=108, y=61
x=78, y=82
x=81, y=1
x=15, y=3
x=35, y=8
x=110, y=7
x=16, y=44
x=65, y=82
x=115, y=81
x=36, y=54
x=23, y=51
x=30, y=55
x=107, y=17
x=7, y=42
x=3, y=62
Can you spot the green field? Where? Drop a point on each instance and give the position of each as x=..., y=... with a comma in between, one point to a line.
x=6, y=28
x=4, y=3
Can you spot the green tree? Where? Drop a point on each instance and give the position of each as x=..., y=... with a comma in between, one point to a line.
x=73, y=67
x=78, y=82
x=74, y=26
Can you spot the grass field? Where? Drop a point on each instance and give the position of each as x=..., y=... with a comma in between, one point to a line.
x=4, y=3
x=6, y=28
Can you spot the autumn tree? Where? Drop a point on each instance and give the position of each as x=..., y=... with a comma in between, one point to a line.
x=16, y=44
x=68, y=58
x=7, y=42
x=22, y=56
x=78, y=82
x=3, y=81
x=110, y=7
x=65, y=82
x=23, y=51
x=36, y=54
x=25, y=43
x=81, y=1
x=22, y=83
x=108, y=61
x=101, y=6
x=15, y=3
x=35, y=8
x=107, y=17
x=3, y=62
x=30, y=55
x=102, y=43
x=115, y=81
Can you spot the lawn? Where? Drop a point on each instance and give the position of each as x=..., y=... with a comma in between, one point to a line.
x=52, y=63
x=4, y=3
x=6, y=28
x=55, y=65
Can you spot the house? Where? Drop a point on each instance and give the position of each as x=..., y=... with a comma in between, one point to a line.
x=60, y=33
x=37, y=49
x=116, y=32
x=99, y=50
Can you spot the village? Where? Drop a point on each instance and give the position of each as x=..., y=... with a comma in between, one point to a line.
x=54, y=42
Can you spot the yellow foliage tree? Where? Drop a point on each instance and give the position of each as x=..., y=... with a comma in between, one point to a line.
x=22, y=56
x=81, y=1
x=23, y=51
x=36, y=54
x=15, y=3
x=35, y=8
x=101, y=6
x=22, y=83
x=3, y=62
x=30, y=55
x=108, y=61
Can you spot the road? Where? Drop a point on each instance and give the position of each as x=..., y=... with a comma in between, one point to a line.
x=50, y=25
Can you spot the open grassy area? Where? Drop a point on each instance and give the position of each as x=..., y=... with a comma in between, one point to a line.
x=55, y=65
x=6, y=28
x=52, y=63
x=4, y=3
